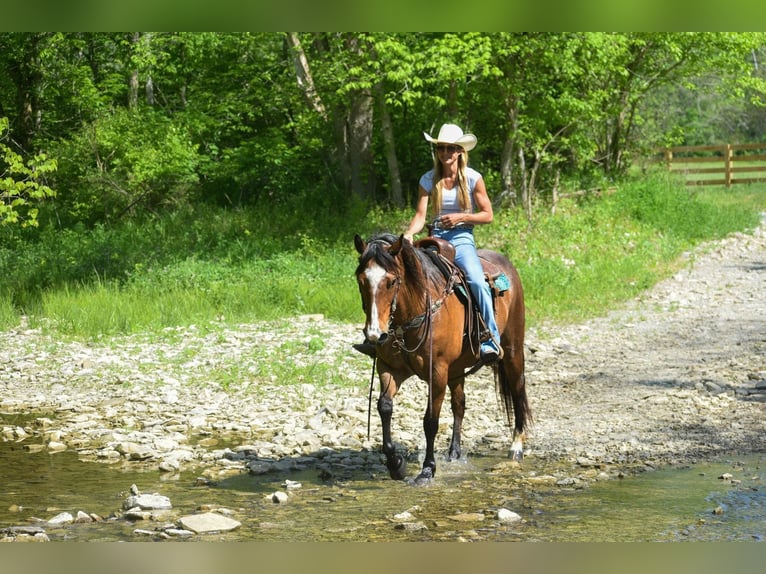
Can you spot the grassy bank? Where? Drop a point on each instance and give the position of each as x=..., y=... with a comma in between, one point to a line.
x=243, y=266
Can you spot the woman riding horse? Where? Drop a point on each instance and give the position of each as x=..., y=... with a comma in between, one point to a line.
x=416, y=323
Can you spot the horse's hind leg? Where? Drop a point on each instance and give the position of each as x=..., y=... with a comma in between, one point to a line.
x=513, y=390
x=457, y=400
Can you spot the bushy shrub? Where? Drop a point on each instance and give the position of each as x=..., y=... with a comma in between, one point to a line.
x=126, y=162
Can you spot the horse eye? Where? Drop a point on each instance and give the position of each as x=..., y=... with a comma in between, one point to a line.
x=391, y=283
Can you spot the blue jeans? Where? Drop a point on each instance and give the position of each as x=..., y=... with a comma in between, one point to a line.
x=468, y=260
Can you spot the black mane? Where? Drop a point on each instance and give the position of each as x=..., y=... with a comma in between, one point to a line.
x=420, y=271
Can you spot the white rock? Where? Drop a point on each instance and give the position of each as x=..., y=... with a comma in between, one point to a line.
x=279, y=497
x=208, y=522
x=148, y=502
x=83, y=517
x=508, y=516
x=62, y=518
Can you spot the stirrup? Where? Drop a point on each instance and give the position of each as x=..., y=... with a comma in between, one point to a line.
x=491, y=356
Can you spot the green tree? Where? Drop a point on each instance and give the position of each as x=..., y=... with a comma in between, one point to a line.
x=648, y=62
x=22, y=183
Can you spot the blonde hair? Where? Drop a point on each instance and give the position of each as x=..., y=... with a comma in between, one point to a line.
x=463, y=195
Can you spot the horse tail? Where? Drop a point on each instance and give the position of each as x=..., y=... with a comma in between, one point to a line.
x=514, y=395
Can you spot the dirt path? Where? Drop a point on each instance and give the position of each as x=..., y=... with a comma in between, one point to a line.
x=677, y=374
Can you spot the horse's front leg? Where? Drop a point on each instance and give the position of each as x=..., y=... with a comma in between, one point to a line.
x=457, y=400
x=431, y=427
x=397, y=466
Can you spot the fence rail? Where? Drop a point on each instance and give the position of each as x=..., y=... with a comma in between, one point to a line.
x=728, y=161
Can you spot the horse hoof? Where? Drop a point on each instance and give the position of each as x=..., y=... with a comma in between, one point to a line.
x=397, y=468
x=516, y=455
x=454, y=455
x=426, y=475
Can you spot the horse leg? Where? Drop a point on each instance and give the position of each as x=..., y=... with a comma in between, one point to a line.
x=457, y=400
x=431, y=427
x=397, y=466
x=513, y=388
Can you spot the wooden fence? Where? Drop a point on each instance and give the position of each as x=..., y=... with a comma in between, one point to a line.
x=717, y=164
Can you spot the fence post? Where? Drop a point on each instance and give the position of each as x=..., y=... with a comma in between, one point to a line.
x=668, y=157
x=727, y=164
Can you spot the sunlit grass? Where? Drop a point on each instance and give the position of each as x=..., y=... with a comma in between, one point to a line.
x=590, y=256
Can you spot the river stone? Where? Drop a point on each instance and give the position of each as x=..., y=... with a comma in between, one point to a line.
x=279, y=497
x=28, y=530
x=62, y=518
x=83, y=517
x=508, y=516
x=208, y=522
x=411, y=526
x=147, y=502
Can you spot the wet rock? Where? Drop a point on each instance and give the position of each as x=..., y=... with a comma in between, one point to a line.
x=207, y=523
x=147, y=502
x=258, y=467
x=26, y=530
x=83, y=517
x=411, y=526
x=61, y=518
x=279, y=497
x=508, y=516
x=136, y=513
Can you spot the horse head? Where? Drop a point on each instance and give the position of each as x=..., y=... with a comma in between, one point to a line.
x=379, y=276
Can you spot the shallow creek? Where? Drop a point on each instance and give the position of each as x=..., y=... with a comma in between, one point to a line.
x=689, y=503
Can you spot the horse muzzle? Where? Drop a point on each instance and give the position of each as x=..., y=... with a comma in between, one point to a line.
x=376, y=337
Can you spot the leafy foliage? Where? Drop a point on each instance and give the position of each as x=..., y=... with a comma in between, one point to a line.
x=123, y=163
x=22, y=186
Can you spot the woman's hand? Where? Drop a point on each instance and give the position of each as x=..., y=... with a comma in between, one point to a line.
x=450, y=220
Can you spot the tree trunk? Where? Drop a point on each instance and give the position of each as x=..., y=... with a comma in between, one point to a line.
x=26, y=77
x=303, y=75
x=508, y=192
x=523, y=174
x=394, y=179
x=133, y=81
x=360, y=129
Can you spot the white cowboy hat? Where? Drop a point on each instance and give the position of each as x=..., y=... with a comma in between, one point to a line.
x=452, y=134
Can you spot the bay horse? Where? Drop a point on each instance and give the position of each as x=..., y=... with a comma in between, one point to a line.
x=419, y=320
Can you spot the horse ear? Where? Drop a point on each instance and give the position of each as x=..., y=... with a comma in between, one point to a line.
x=359, y=244
x=396, y=246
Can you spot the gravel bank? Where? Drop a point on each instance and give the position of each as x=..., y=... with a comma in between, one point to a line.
x=676, y=375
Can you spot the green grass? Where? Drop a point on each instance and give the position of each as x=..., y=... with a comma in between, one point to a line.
x=236, y=267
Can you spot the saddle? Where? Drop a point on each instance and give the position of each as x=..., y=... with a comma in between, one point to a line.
x=442, y=253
